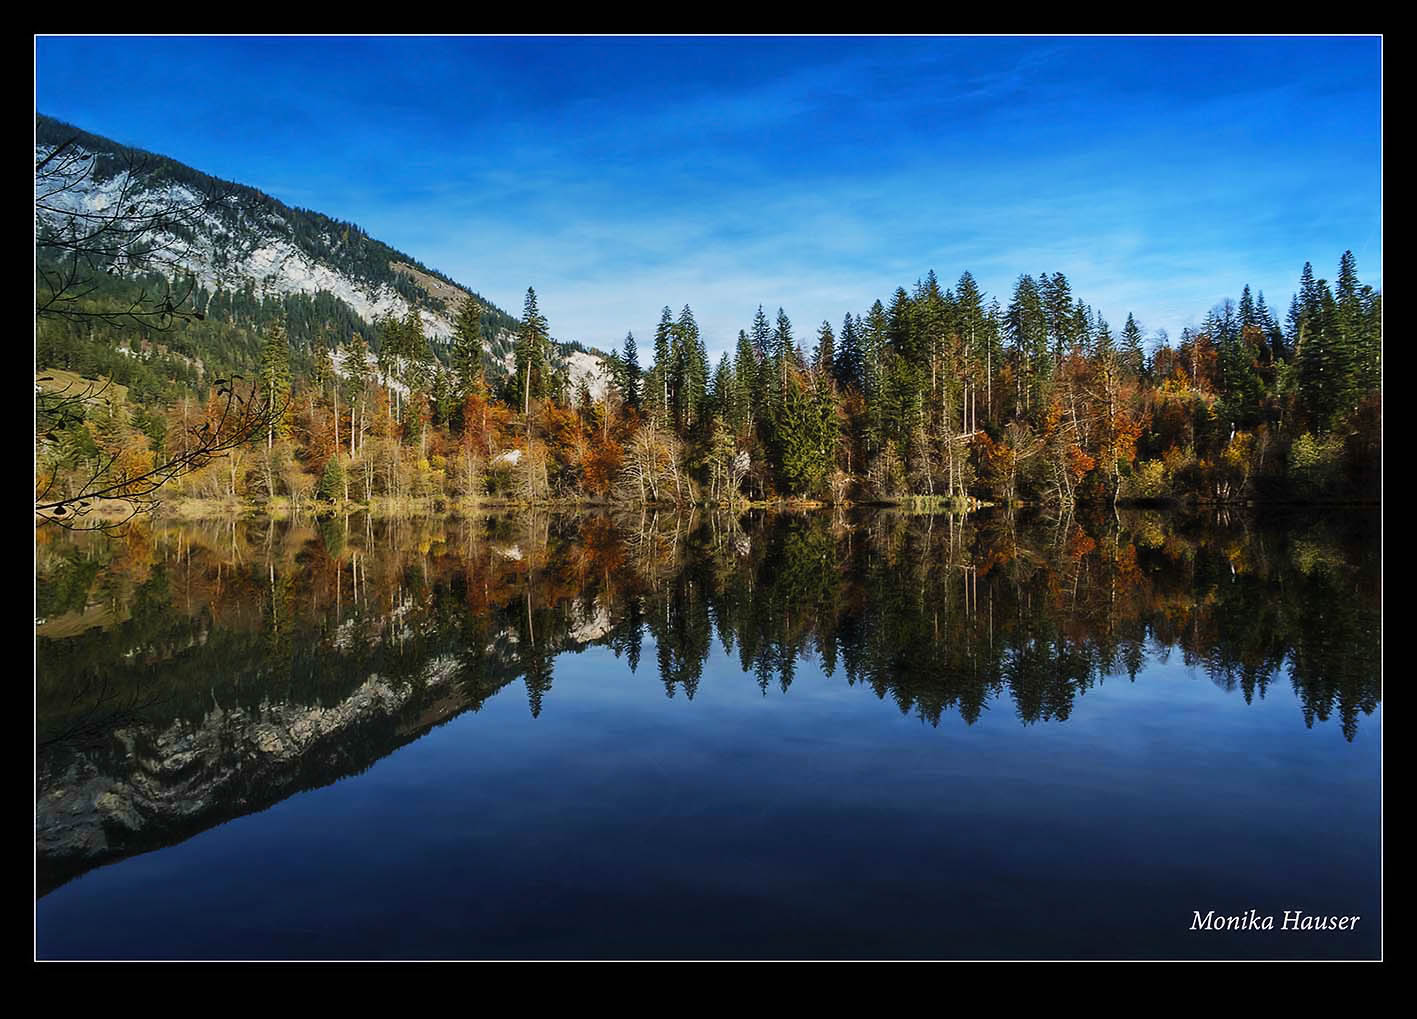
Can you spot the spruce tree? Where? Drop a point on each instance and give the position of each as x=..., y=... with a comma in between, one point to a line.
x=876, y=347
x=848, y=364
x=332, y=480
x=762, y=336
x=722, y=395
x=630, y=358
x=824, y=357
x=1027, y=326
x=532, y=368
x=467, y=347
x=658, y=397
x=1056, y=298
x=745, y=370
x=782, y=353
x=1133, y=353
x=688, y=375
x=275, y=377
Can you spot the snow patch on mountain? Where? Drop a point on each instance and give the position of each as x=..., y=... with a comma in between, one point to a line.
x=215, y=256
x=251, y=244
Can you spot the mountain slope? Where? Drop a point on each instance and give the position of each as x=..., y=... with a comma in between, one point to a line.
x=248, y=240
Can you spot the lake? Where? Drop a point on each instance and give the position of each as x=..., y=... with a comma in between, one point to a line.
x=817, y=735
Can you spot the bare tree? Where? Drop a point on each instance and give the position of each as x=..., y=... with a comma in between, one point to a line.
x=107, y=481
x=120, y=215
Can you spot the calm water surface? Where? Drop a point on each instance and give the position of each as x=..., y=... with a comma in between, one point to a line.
x=793, y=736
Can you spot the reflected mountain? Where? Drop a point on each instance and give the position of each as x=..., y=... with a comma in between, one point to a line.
x=190, y=674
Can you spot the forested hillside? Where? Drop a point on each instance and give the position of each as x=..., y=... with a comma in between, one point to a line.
x=939, y=396
x=242, y=239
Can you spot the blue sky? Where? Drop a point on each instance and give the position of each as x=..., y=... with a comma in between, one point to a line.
x=620, y=175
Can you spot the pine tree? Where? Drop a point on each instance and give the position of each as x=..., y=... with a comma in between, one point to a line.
x=1102, y=344
x=657, y=395
x=688, y=373
x=722, y=394
x=1133, y=353
x=1027, y=327
x=745, y=370
x=1274, y=338
x=804, y=439
x=467, y=348
x=1352, y=347
x=275, y=377
x=824, y=356
x=630, y=357
x=848, y=363
x=1249, y=315
x=1056, y=298
x=762, y=336
x=532, y=367
x=876, y=346
x=332, y=481
x=1322, y=364
x=782, y=352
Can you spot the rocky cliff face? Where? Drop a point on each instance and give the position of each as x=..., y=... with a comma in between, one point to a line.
x=229, y=237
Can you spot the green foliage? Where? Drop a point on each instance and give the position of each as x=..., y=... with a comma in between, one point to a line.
x=804, y=438
x=1316, y=463
x=332, y=481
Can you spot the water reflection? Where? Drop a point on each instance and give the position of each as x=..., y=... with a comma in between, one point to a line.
x=190, y=674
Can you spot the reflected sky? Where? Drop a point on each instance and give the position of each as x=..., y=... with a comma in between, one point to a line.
x=831, y=744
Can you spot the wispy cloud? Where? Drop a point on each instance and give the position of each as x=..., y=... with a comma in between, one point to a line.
x=620, y=175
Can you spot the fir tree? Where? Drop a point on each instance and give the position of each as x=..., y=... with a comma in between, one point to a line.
x=1133, y=353
x=804, y=439
x=657, y=394
x=782, y=351
x=745, y=370
x=1027, y=327
x=275, y=377
x=630, y=358
x=848, y=364
x=688, y=371
x=1056, y=298
x=532, y=367
x=332, y=481
x=824, y=356
x=467, y=348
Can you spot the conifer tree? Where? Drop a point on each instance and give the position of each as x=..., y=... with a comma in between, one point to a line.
x=745, y=370
x=1056, y=298
x=848, y=363
x=275, y=377
x=1249, y=315
x=876, y=344
x=630, y=358
x=332, y=481
x=782, y=352
x=467, y=347
x=1133, y=353
x=532, y=366
x=657, y=395
x=688, y=372
x=804, y=439
x=1027, y=327
x=722, y=394
x=824, y=356
x=762, y=336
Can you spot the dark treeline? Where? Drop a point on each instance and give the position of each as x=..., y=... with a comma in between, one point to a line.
x=938, y=395
x=935, y=612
